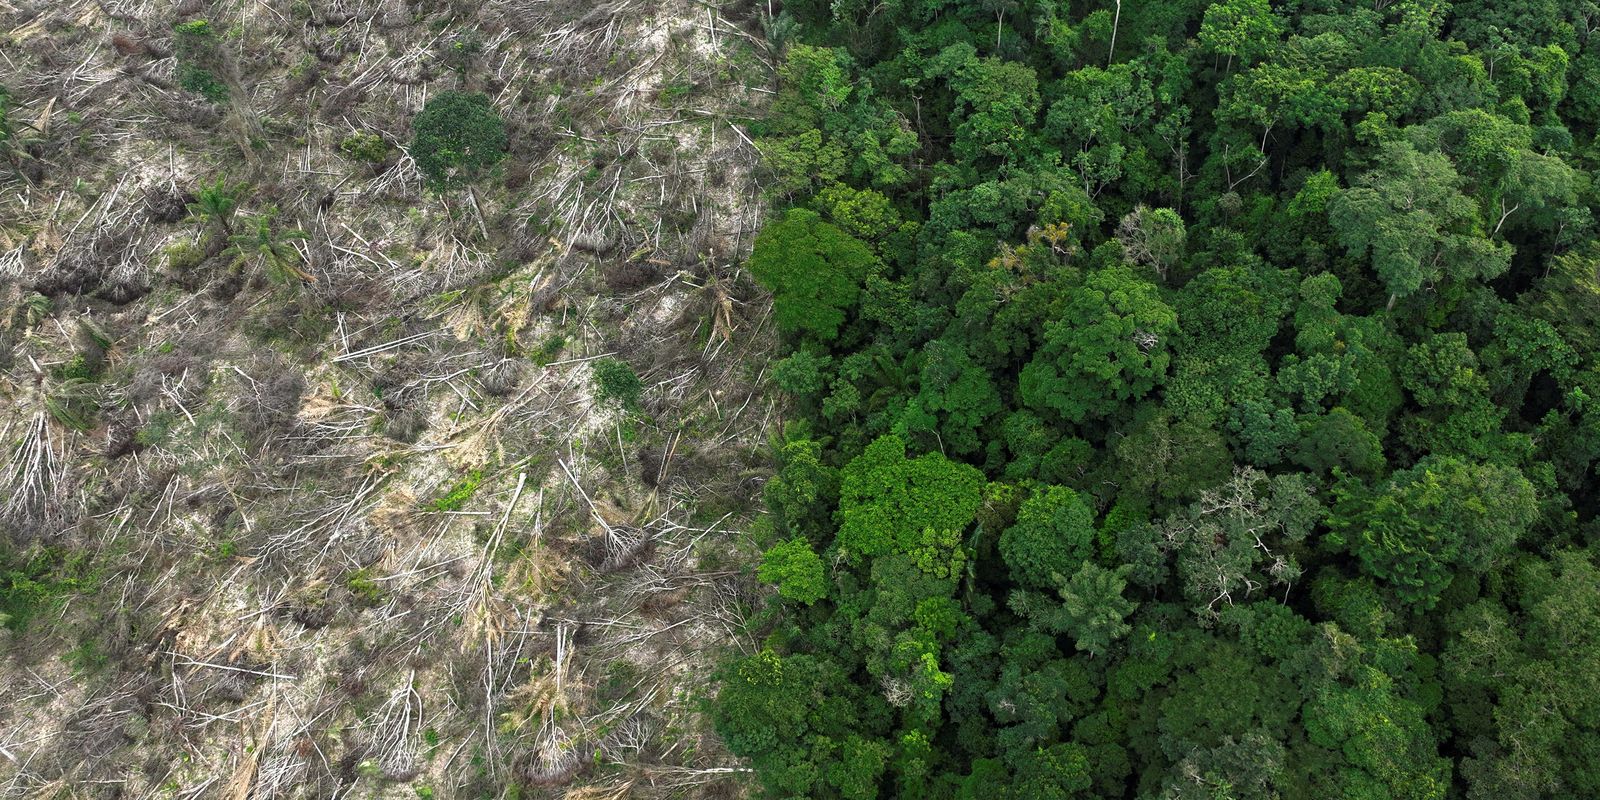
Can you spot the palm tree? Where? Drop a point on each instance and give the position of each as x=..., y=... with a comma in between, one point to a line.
x=216, y=203
x=269, y=248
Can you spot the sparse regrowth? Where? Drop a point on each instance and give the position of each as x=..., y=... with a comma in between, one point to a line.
x=459, y=493
x=310, y=482
x=195, y=44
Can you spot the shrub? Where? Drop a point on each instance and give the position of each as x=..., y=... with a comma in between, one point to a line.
x=73, y=403
x=184, y=256
x=195, y=44
x=368, y=147
x=460, y=493
x=79, y=367
x=616, y=382
x=364, y=587
x=7, y=125
x=458, y=138
x=37, y=582
x=549, y=350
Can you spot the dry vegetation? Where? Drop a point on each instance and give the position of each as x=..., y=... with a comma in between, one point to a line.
x=371, y=531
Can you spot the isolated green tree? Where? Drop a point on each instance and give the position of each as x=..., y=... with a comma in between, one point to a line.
x=267, y=247
x=458, y=138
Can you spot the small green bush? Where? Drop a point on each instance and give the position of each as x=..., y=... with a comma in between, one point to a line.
x=35, y=583
x=368, y=147
x=361, y=584
x=195, y=44
x=157, y=430
x=79, y=368
x=460, y=493
x=183, y=256
x=7, y=126
x=549, y=350
x=458, y=139
x=616, y=382
x=73, y=402
x=462, y=51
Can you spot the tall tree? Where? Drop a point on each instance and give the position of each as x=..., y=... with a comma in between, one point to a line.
x=1410, y=216
x=814, y=269
x=1111, y=344
x=1426, y=522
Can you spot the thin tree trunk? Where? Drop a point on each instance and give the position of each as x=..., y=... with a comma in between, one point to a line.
x=1115, y=21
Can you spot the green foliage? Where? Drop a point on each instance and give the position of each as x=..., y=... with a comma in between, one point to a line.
x=815, y=272
x=362, y=146
x=12, y=131
x=217, y=203
x=8, y=125
x=1110, y=344
x=1537, y=669
x=1296, y=298
x=1339, y=439
x=1240, y=28
x=1410, y=216
x=459, y=493
x=788, y=716
x=886, y=500
x=803, y=493
x=1052, y=536
x=956, y=399
x=33, y=583
x=457, y=139
x=183, y=256
x=616, y=382
x=797, y=571
x=363, y=586
x=260, y=243
x=1428, y=521
x=800, y=374
x=1383, y=737
x=73, y=403
x=1092, y=609
x=195, y=45
x=862, y=213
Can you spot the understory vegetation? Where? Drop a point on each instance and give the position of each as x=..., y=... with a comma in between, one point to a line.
x=1187, y=400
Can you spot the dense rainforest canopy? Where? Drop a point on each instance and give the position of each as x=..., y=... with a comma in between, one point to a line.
x=1188, y=400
